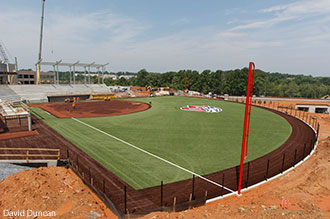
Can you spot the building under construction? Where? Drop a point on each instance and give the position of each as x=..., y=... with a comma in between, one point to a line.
x=10, y=75
x=7, y=70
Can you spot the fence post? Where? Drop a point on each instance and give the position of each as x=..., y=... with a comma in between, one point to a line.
x=193, y=187
x=283, y=162
x=174, y=204
x=104, y=186
x=311, y=147
x=315, y=124
x=247, y=176
x=77, y=163
x=223, y=184
x=27, y=156
x=266, y=177
x=125, y=200
x=89, y=174
x=161, y=195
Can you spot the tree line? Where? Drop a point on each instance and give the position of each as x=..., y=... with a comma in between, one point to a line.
x=232, y=82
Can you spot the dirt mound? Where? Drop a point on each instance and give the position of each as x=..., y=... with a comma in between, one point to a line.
x=49, y=190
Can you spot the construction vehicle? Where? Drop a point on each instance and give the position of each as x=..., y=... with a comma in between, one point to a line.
x=71, y=99
x=326, y=97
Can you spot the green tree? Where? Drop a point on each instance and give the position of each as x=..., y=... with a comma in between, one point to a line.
x=141, y=79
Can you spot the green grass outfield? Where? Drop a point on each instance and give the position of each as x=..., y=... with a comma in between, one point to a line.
x=198, y=141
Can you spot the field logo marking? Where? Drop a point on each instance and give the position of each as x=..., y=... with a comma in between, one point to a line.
x=208, y=109
x=155, y=156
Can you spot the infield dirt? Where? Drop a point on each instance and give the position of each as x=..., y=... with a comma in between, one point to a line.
x=93, y=108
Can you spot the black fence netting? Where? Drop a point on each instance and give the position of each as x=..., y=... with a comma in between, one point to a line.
x=195, y=191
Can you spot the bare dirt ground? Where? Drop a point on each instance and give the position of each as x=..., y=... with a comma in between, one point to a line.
x=50, y=189
x=301, y=193
x=93, y=108
x=11, y=135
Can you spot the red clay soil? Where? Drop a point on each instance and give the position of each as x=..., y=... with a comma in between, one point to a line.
x=12, y=135
x=55, y=191
x=93, y=108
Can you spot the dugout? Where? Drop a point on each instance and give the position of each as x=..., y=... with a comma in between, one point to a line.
x=62, y=98
x=313, y=108
x=14, y=119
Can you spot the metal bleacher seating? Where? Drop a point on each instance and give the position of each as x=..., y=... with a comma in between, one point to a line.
x=40, y=93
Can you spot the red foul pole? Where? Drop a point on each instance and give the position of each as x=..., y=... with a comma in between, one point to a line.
x=246, y=128
x=185, y=84
x=251, y=72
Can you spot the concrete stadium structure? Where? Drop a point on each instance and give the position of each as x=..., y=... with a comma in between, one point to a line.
x=42, y=93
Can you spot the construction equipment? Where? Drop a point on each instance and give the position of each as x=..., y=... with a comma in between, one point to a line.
x=5, y=64
x=3, y=55
x=326, y=97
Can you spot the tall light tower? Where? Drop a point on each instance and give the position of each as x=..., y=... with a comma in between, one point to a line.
x=40, y=45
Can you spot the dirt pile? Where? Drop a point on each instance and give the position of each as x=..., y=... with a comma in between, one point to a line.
x=49, y=190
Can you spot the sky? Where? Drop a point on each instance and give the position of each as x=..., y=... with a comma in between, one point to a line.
x=287, y=36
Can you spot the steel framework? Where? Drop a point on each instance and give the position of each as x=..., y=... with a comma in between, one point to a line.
x=72, y=69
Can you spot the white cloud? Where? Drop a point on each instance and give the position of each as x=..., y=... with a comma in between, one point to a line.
x=97, y=25
x=293, y=11
x=125, y=42
x=181, y=21
x=300, y=8
x=264, y=23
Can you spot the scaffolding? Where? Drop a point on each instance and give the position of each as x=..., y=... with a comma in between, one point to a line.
x=100, y=69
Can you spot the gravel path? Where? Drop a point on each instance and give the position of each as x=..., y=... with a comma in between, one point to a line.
x=7, y=169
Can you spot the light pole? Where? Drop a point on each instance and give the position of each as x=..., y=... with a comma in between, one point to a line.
x=40, y=45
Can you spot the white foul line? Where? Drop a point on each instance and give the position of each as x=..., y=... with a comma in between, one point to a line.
x=153, y=155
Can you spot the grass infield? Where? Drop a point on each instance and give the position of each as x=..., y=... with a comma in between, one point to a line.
x=198, y=141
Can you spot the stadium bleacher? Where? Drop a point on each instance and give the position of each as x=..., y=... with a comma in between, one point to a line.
x=40, y=93
x=7, y=94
